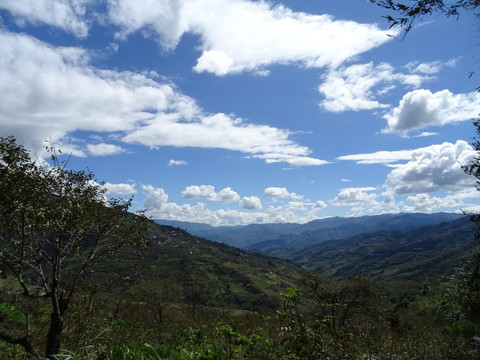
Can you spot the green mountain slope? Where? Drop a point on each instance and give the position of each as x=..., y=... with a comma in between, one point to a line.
x=391, y=255
x=216, y=274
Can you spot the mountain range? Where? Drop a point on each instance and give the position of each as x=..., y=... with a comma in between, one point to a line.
x=290, y=235
x=383, y=247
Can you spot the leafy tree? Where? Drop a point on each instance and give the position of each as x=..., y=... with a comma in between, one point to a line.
x=469, y=276
x=55, y=224
x=413, y=10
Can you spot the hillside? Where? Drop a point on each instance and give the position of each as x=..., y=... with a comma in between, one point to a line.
x=215, y=274
x=383, y=248
x=389, y=254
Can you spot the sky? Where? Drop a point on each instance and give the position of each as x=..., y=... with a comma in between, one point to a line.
x=232, y=112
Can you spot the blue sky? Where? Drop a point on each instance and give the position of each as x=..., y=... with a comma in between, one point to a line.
x=233, y=112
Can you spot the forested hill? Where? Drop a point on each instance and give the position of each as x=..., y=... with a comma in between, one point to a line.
x=383, y=248
x=265, y=236
x=202, y=273
x=391, y=255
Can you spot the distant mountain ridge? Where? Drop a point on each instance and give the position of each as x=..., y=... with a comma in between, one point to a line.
x=384, y=248
x=390, y=254
x=290, y=235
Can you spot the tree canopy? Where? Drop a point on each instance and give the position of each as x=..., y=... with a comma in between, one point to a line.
x=55, y=224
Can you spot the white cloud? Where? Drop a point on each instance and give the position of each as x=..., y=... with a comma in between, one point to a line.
x=49, y=93
x=295, y=160
x=215, y=61
x=103, y=149
x=121, y=189
x=162, y=19
x=425, y=176
x=156, y=197
x=421, y=108
x=319, y=205
x=63, y=14
x=199, y=192
x=429, y=68
x=355, y=196
x=433, y=168
x=235, y=35
x=379, y=157
x=426, y=133
x=295, y=206
x=222, y=131
x=425, y=203
x=173, y=162
x=251, y=203
x=158, y=207
x=227, y=196
x=292, y=160
x=281, y=192
x=356, y=87
x=224, y=196
x=238, y=35
x=276, y=192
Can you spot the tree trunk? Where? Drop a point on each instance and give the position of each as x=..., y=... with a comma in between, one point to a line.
x=54, y=334
x=56, y=326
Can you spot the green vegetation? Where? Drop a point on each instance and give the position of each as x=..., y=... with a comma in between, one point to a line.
x=184, y=297
x=54, y=226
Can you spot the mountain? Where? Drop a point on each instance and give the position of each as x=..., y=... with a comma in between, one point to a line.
x=214, y=274
x=390, y=254
x=265, y=236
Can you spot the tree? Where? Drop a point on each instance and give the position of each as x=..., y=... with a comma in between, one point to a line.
x=414, y=10
x=55, y=224
x=469, y=276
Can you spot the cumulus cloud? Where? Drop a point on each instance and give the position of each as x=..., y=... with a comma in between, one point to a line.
x=238, y=35
x=49, y=93
x=319, y=205
x=418, y=182
x=425, y=203
x=251, y=203
x=207, y=192
x=355, y=196
x=421, y=108
x=156, y=197
x=103, y=149
x=356, y=87
x=295, y=206
x=433, y=168
x=281, y=192
x=121, y=189
x=158, y=207
x=66, y=15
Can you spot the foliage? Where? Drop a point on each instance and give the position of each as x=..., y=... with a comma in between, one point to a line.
x=55, y=224
x=415, y=10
